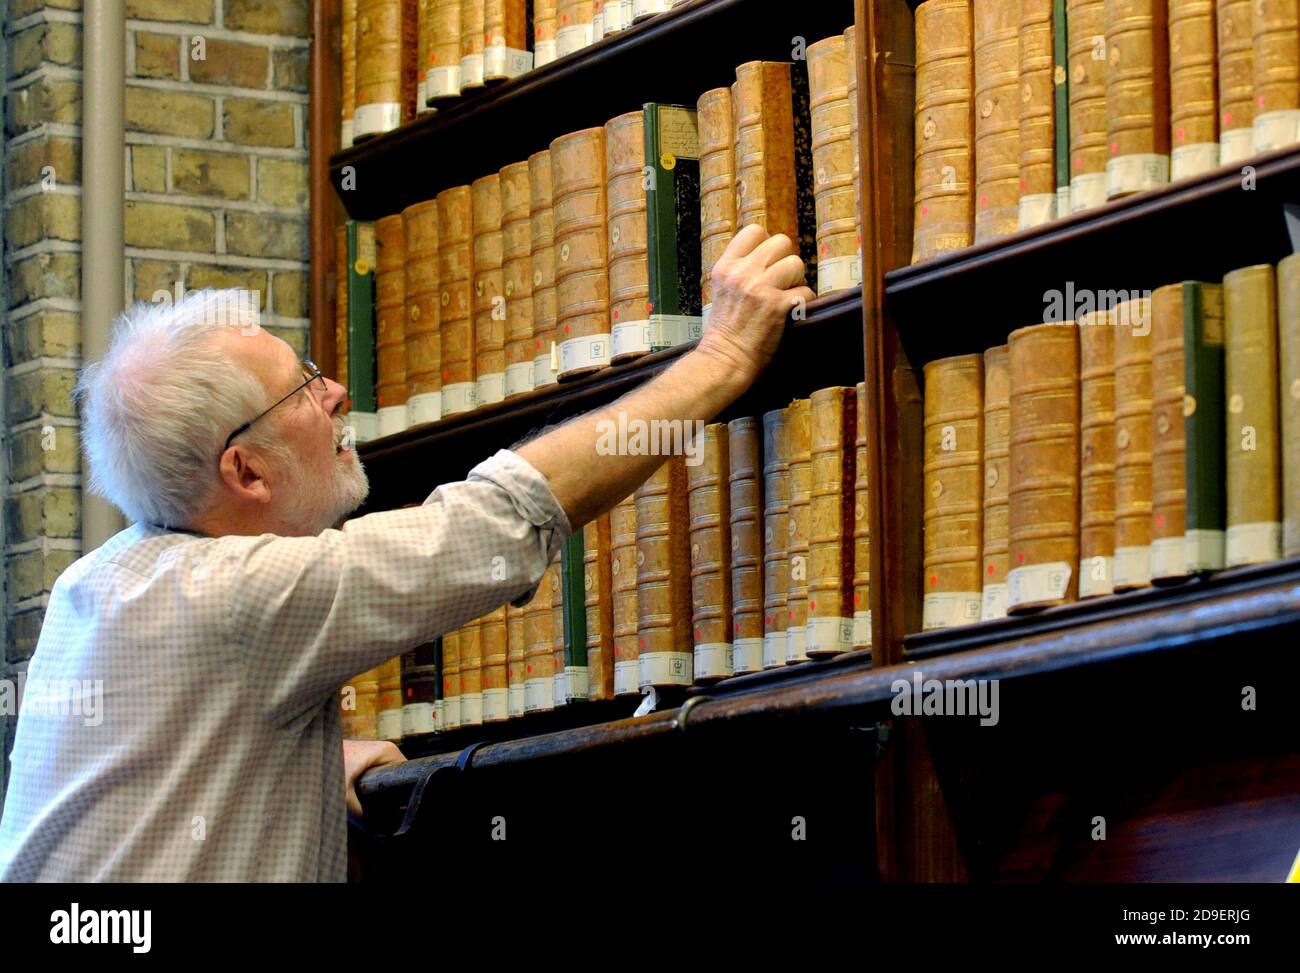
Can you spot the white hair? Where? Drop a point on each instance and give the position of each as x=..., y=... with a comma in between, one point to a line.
x=157, y=408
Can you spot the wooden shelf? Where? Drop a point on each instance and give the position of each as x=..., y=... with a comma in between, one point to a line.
x=673, y=57
x=969, y=300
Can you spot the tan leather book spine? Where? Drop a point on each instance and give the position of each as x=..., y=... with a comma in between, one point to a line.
x=954, y=439
x=799, y=451
x=471, y=44
x=544, y=28
x=832, y=157
x=851, y=73
x=629, y=274
x=776, y=534
x=494, y=638
x=997, y=483
x=717, y=184
x=1089, y=150
x=347, y=72
x=359, y=706
x=1236, y=80
x=1193, y=89
x=516, y=659
x=1253, y=428
x=541, y=218
x=424, y=10
x=1044, y=495
x=1096, y=455
x=1137, y=95
x=1275, y=59
x=1288, y=317
x=581, y=254
x=745, y=503
x=599, y=603
x=1131, y=322
x=455, y=273
x=517, y=277
x=505, y=37
x=488, y=300
x=442, y=71
x=944, y=213
x=997, y=118
x=573, y=20
x=830, y=523
x=423, y=333
x=388, y=706
x=710, y=533
x=391, y=389
x=387, y=48
x=664, y=578
x=622, y=555
x=539, y=649
x=861, y=527
x=451, y=680
x=764, y=130
x=1168, y=443
x=471, y=673
x=1037, y=115
x=341, y=304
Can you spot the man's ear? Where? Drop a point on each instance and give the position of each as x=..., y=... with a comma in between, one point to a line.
x=243, y=473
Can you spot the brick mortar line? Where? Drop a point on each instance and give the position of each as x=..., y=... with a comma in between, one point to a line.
x=34, y=189
x=284, y=42
x=43, y=130
x=215, y=203
x=233, y=148
x=46, y=15
x=232, y=259
x=226, y=91
x=47, y=71
x=28, y=604
x=30, y=308
x=39, y=363
x=70, y=422
x=47, y=245
x=62, y=480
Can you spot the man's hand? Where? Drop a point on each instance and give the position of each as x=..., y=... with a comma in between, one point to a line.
x=757, y=281
x=358, y=757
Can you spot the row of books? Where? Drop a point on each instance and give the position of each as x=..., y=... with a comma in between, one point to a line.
x=402, y=58
x=1027, y=110
x=1148, y=440
x=598, y=249
x=746, y=551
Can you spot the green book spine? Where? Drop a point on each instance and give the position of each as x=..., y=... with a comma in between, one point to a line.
x=361, y=315
x=672, y=158
x=1061, y=106
x=1203, y=409
x=573, y=591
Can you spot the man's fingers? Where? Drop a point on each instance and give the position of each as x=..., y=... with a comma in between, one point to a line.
x=744, y=242
x=786, y=272
x=771, y=250
x=354, y=803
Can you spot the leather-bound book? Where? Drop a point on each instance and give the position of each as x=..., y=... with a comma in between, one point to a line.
x=1037, y=107
x=799, y=450
x=387, y=48
x=569, y=625
x=598, y=602
x=494, y=639
x=539, y=630
x=451, y=680
x=710, y=533
x=1253, y=428
x=1193, y=89
x=1061, y=104
x=1044, y=496
x=1089, y=150
x=1204, y=415
x=1131, y=322
x=471, y=673
x=1275, y=57
x=830, y=523
x=861, y=527
x=362, y=258
x=546, y=358
x=419, y=690
x=439, y=704
x=517, y=277
x=1168, y=447
x=745, y=503
x=422, y=19
x=488, y=300
x=573, y=26
x=664, y=578
x=944, y=214
x=851, y=74
x=1236, y=80
x=997, y=483
x=1288, y=316
x=442, y=72
x=505, y=39
x=389, y=704
x=423, y=310
x=391, y=389
x=1137, y=95
x=997, y=118
x=516, y=659
x=347, y=71
x=581, y=277
x=672, y=200
x=471, y=44
x=629, y=274
x=641, y=9
x=622, y=568
x=455, y=273
x=544, y=27
x=776, y=535
x=833, y=172
x=717, y=186
x=341, y=304
x=1096, y=455
x=359, y=706
x=954, y=499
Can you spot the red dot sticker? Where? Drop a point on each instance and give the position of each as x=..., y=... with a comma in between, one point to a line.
x=539, y=343
x=642, y=643
x=1024, y=183
x=1160, y=520
x=812, y=606
x=566, y=329
x=789, y=615
x=444, y=374
x=1181, y=133
x=615, y=315
x=990, y=569
x=1261, y=101
x=1020, y=558
x=698, y=636
x=934, y=579
x=925, y=211
x=1114, y=148
x=984, y=200
x=1227, y=118
x=857, y=599
x=1078, y=163
x=737, y=628
x=530, y=668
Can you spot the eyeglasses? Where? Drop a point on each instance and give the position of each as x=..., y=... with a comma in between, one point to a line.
x=314, y=378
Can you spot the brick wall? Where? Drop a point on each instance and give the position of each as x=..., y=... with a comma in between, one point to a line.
x=216, y=195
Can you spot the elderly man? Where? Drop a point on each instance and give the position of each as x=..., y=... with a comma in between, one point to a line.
x=222, y=623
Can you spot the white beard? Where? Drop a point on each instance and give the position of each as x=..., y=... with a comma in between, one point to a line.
x=313, y=505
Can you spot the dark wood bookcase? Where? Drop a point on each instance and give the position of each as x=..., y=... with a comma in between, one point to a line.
x=1126, y=709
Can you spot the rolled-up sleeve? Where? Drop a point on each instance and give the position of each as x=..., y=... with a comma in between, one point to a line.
x=310, y=612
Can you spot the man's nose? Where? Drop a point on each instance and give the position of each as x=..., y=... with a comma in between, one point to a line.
x=336, y=396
